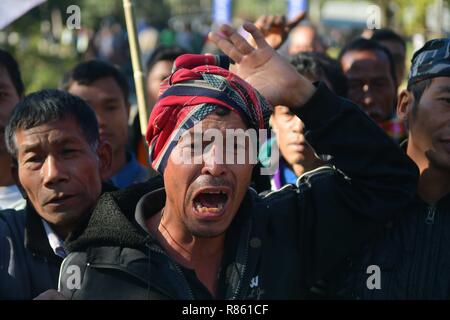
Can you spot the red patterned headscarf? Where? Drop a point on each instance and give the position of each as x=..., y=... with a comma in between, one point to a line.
x=198, y=86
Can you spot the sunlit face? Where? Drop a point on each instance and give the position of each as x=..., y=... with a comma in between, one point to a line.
x=289, y=132
x=160, y=71
x=290, y=139
x=59, y=171
x=304, y=39
x=106, y=98
x=429, y=127
x=8, y=99
x=203, y=198
x=370, y=83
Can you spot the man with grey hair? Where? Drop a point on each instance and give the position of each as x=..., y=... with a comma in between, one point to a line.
x=59, y=163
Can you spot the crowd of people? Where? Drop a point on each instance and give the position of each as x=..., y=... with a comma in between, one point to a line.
x=91, y=209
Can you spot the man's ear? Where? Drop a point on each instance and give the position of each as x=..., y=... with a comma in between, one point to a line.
x=104, y=152
x=272, y=123
x=404, y=105
x=15, y=175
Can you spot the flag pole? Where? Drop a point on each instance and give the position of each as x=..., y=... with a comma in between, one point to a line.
x=138, y=74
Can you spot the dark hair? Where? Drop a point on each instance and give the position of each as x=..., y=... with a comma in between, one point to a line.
x=319, y=65
x=163, y=53
x=417, y=89
x=48, y=105
x=12, y=67
x=86, y=73
x=362, y=44
x=387, y=35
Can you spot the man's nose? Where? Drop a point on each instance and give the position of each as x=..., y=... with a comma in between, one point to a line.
x=101, y=120
x=297, y=125
x=367, y=96
x=213, y=160
x=53, y=172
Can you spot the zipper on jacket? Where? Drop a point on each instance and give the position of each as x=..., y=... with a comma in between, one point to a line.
x=244, y=269
x=176, y=267
x=241, y=280
x=431, y=212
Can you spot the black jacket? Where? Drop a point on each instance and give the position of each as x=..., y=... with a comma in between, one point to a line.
x=28, y=265
x=413, y=257
x=278, y=246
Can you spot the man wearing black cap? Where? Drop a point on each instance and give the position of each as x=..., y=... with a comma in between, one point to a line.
x=413, y=256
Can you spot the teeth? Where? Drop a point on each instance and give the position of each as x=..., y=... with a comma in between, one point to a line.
x=208, y=210
x=202, y=209
x=215, y=192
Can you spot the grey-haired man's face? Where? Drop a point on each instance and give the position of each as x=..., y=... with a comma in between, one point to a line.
x=60, y=171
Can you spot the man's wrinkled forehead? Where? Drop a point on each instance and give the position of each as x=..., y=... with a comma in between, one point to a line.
x=48, y=134
x=220, y=120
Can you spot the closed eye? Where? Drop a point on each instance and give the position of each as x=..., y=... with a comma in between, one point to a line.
x=67, y=152
x=445, y=99
x=34, y=159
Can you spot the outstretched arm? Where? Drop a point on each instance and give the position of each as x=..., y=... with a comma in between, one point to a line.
x=343, y=211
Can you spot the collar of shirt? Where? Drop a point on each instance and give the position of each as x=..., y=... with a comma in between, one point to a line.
x=284, y=175
x=11, y=198
x=130, y=173
x=55, y=242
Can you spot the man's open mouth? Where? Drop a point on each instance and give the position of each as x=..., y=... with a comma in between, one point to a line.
x=211, y=201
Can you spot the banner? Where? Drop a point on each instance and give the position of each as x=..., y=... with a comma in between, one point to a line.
x=221, y=11
x=10, y=10
x=295, y=7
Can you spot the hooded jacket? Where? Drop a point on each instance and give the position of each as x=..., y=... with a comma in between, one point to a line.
x=279, y=246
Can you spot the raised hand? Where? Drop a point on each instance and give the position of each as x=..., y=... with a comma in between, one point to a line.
x=276, y=29
x=262, y=67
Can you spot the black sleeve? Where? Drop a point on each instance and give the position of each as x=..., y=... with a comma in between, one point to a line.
x=371, y=180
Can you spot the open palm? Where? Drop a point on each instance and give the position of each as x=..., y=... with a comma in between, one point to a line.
x=262, y=67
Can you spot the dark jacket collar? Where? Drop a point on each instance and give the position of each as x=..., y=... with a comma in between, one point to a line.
x=150, y=204
x=118, y=221
x=35, y=237
x=119, y=217
x=112, y=221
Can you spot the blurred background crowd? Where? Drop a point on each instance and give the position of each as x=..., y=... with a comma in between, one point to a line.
x=43, y=45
